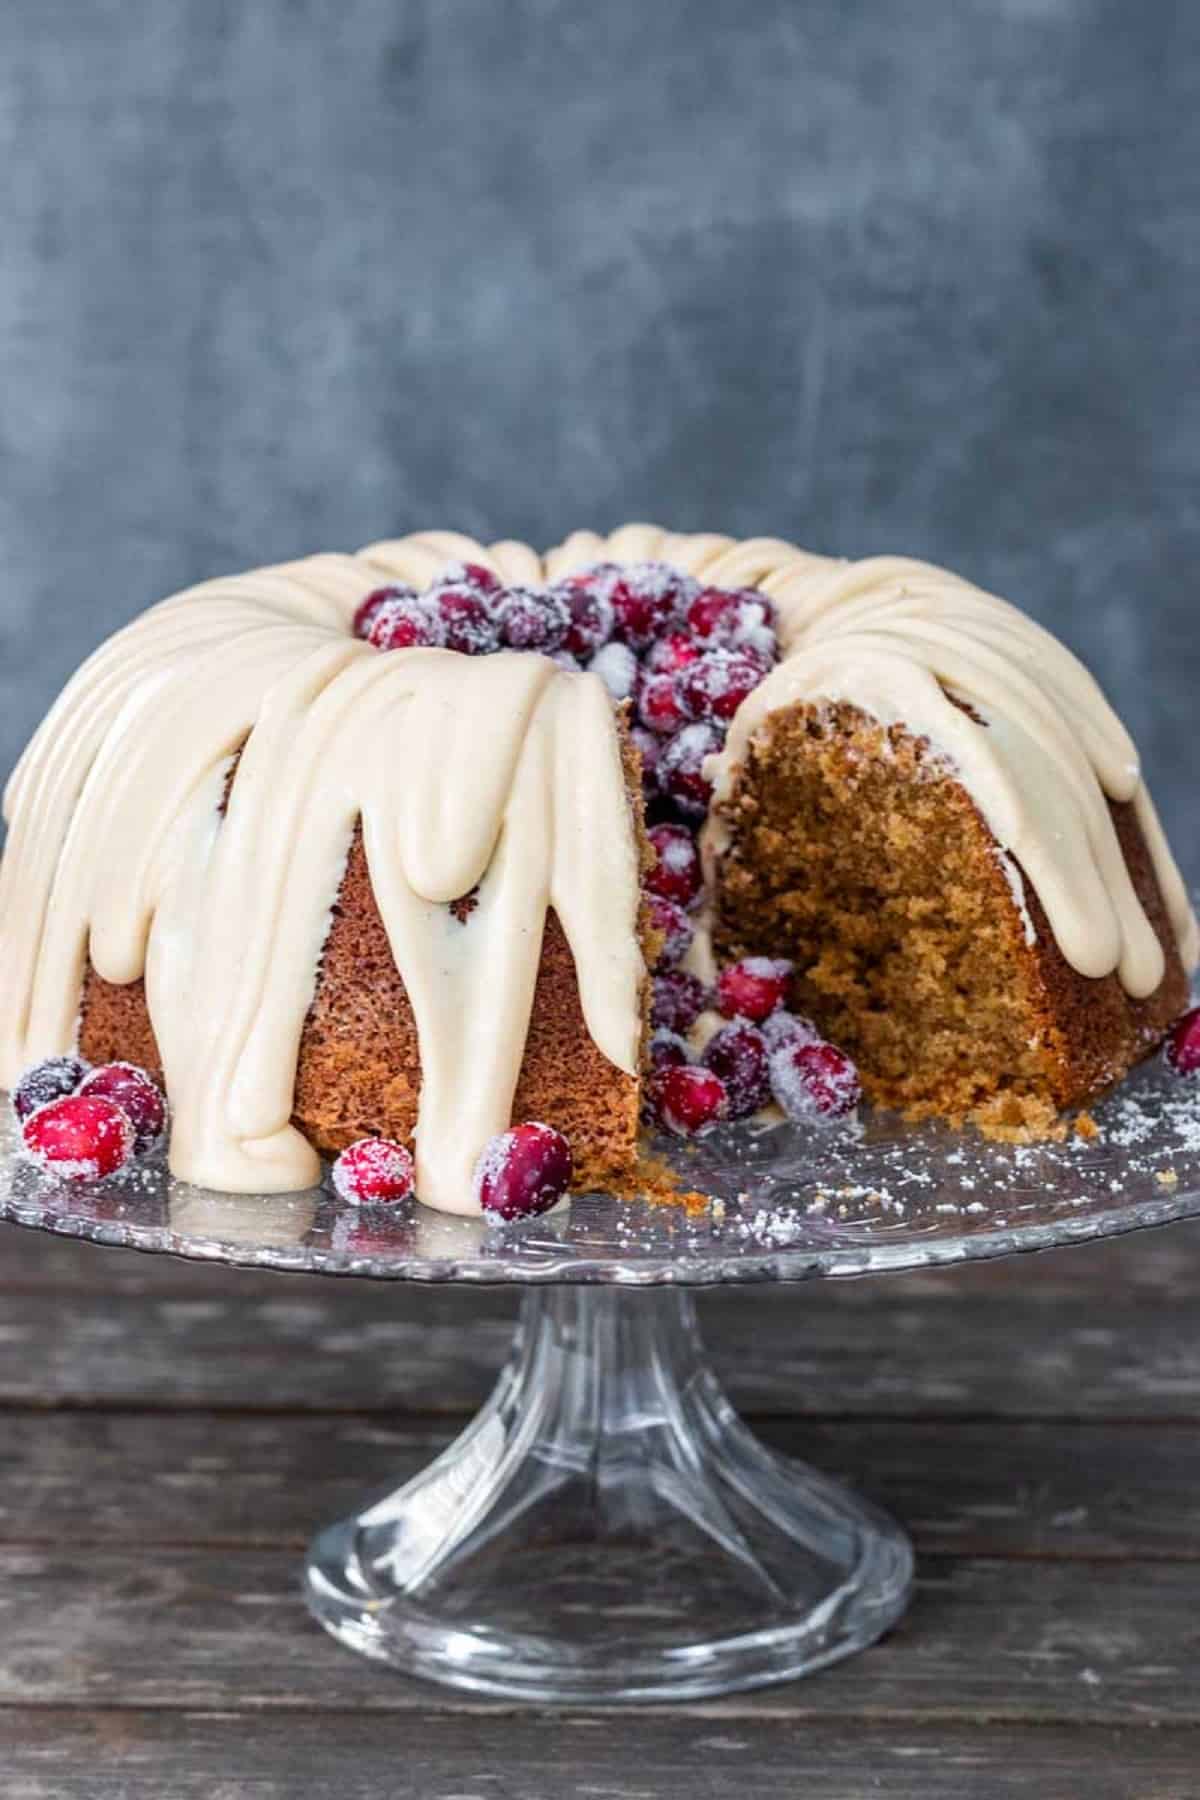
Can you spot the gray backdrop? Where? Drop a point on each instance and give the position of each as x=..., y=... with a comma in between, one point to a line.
x=911, y=275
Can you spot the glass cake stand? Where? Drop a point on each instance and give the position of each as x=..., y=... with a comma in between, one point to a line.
x=607, y=1529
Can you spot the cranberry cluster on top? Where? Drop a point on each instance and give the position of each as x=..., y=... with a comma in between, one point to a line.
x=685, y=656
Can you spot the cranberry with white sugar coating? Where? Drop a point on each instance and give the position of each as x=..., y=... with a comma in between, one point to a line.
x=472, y=575
x=591, y=613
x=1183, y=1045
x=378, y=598
x=532, y=620
x=677, y=1000
x=733, y=617
x=649, y=749
x=404, y=623
x=673, y=651
x=660, y=705
x=137, y=1094
x=373, y=1170
x=646, y=597
x=47, y=1081
x=738, y=1054
x=669, y=918
x=687, y=1099
x=676, y=874
x=715, y=686
x=466, y=619
x=681, y=774
x=82, y=1137
x=754, y=987
x=812, y=1082
x=668, y=1050
x=522, y=1172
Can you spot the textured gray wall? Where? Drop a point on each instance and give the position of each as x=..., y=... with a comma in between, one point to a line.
x=876, y=274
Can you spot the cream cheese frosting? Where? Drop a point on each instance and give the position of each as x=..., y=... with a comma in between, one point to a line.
x=501, y=773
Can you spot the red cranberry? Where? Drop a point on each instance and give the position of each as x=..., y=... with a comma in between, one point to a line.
x=1183, y=1045
x=715, y=686
x=660, y=707
x=668, y=1050
x=686, y=1099
x=732, y=616
x=681, y=772
x=754, y=987
x=814, y=1081
x=404, y=623
x=780, y=1028
x=673, y=651
x=616, y=665
x=139, y=1097
x=472, y=575
x=531, y=620
x=523, y=1172
x=669, y=917
x=373, y=1169
x=591, y=612
x=466, y=620
x=649, y=749
x=368, y=608
x=678, y=1000
x=676, y=874
x=738, y=1054
x=82, y=1137
x=646, y=597
x=47, y=1081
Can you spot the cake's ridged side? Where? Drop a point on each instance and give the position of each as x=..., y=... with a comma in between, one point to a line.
x=359, y=1069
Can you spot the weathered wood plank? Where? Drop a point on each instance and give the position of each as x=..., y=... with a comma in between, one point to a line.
x=1002, y=1489
x=878, y=1350
x=986, y=1640
x=146, y=1756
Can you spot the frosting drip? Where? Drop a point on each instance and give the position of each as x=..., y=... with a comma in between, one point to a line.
x=501, y=773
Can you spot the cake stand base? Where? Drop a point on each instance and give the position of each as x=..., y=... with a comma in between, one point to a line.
x=608, y=1530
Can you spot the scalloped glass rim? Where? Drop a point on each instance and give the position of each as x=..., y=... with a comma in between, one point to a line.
x=791, y=1203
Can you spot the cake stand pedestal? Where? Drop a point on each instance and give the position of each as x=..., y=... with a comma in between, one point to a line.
x=607, y=1529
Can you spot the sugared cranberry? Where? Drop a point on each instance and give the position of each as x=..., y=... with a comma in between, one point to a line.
x=681, y=772
x=616, y=665
x=738, y=1054
x=649, y=749
x=715, y=686
x=47, y=1081
x=373, y=1169
x=674, y=650
x=369, y=607
x=733, y=617
x=646, y=597
x=754, y=987
x=669, y=917
x=676, y=874
x=660, y=707
x=780, y=1028
x=531, y=620
x=404, y=623
x=523, y=1172
x=687, y=1098
x=139, y=1097
x=813, y=1082
x=678, y=1000
x=1183, y=1045
x=465, y=618
x=82, y=1137
x=668, y=1050
x=591, y=613
x=472, y=575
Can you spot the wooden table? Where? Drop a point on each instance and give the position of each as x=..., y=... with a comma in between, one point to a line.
x=172, y=1434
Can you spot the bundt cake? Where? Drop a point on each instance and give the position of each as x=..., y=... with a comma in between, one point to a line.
x=385, y=846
